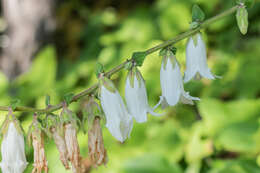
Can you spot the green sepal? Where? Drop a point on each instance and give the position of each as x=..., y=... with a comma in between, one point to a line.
x=139, y=57
x=247, y=3
x=14, y=103
x=194, y=25
x=99, y=69
x=139, y=77
x=242, y=19
x=108, y=84
x=195, y=39
x=197, y=14
x=128, y=65
x=47, y=100
x=162, y=52
x=68, y=98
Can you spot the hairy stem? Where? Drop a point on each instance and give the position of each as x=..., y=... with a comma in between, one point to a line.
x=118, y=68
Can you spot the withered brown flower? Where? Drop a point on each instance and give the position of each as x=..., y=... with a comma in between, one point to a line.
x=40, y=162
x=71, y=141
x=97, y=152
x=61, y=145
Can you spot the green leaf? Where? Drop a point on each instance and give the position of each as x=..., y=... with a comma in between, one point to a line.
x=15, y=103
x=197, y=14
x=242, y=19
x=68, y=98
x=47, y=100
x=139, y=57
x=99, y=69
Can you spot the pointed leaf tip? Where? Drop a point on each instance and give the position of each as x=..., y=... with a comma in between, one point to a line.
x=197, y=14
x=139, y=57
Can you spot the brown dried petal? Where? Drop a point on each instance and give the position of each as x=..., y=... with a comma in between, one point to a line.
x=61, y=145
x=40, y=162
x=72, y=146
x=97, y=152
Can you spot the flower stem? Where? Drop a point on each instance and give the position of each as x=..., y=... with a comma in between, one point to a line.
x=118, y=68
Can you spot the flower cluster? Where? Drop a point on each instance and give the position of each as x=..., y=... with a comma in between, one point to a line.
x=119, y=117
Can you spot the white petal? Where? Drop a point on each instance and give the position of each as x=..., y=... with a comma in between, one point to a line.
x=202, y=59
x=170, y=83
x=191, y=60
x=119, y=121
x=13, y=151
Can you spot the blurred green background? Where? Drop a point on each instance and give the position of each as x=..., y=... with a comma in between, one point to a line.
x=219, y=134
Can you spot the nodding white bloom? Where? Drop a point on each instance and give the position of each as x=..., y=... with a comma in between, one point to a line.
x=118, y=121
x=196, y=59
x=12, y=148
x=136, y=96
x=171, y=82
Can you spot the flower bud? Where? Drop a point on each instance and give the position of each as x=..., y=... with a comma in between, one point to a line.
x=96, y=150
x=118, y=121
x=196, y=59
x=12, y=148
x=242, y=19
x=136, y=96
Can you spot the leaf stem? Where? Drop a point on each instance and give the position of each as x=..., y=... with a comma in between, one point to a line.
x=119, y=67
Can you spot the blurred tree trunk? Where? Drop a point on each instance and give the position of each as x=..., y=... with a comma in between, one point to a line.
x=29, y=22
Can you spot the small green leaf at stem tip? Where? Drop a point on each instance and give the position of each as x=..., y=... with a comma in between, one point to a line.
x=139, y=57
x=99, y=69
x=197, y=14
x=15, y=103
x=68, y=98
x=47, y=100
x=242, y=19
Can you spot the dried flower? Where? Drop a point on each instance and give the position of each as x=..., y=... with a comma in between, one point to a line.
x=72, y=146
x=171, y=82
x=136, y=96
x=119, y=121
x=196, y=59
x=37, y=137
x=61, y=145
x=97, y=152
x=12, y=148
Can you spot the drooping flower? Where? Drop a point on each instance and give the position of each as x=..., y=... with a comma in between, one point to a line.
x=96, y=149
x=12, y=148
x=171, y=81
x=61, y=146
x=37, y=137
x=136, y=96
x=196, y=59
x=72, y=146
x=118, y=121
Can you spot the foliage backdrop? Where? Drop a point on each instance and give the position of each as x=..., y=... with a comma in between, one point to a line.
x=220, y=134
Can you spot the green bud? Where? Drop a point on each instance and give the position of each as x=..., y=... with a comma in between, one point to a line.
x=197, y=14
x=242, y=19
x=139, y=57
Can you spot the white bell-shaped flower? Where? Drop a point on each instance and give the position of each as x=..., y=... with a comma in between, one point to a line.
x=171, y=82
x=136, y=96
x=196, y=59
x=118, y=121
x=12, y=150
